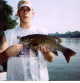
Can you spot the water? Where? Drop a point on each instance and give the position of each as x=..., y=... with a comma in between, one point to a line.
x=60, y=69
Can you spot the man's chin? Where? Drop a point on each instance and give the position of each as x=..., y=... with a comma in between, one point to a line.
x=27, y=21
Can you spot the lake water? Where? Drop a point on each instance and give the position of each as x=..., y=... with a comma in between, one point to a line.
x=60, y=69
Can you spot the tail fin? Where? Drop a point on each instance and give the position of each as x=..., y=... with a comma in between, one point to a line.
x=68, y=53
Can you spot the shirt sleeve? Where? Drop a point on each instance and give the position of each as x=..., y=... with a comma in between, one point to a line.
x=10, y=36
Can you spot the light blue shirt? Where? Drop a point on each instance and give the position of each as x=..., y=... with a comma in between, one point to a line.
x=26, y=67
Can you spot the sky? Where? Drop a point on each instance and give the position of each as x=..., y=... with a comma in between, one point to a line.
x=55, y=15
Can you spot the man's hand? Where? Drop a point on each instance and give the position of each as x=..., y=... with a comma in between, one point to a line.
x=14, y=50
x=48, y=55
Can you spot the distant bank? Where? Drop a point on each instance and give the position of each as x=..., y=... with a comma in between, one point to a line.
x=75, y=34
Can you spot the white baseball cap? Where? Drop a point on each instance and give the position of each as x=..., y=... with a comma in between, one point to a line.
x=23, y=3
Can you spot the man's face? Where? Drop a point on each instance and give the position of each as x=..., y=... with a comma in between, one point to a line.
x=25, y=13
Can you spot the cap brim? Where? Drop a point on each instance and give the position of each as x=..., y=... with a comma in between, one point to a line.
x=25, y=5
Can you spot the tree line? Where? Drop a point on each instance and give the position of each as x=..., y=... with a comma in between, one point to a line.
x=6, y=12
x=68, y=34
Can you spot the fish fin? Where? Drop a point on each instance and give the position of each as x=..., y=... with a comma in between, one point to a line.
x=18, y=37
x=57, y=39
x=68, y=53
x=55, y=52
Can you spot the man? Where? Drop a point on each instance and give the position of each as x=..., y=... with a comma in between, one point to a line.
x=11, y=48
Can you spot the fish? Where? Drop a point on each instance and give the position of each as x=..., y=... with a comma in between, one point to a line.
x=34, y=41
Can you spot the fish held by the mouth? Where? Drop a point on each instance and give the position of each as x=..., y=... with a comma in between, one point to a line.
x=35, y=40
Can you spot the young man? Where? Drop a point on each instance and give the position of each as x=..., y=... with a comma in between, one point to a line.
x=20, y=69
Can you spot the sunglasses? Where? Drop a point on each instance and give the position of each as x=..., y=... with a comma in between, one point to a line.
x=26, y=8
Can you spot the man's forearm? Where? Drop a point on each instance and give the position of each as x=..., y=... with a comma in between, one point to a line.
x=3, y=57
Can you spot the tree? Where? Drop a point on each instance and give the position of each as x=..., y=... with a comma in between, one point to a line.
x=6, y=21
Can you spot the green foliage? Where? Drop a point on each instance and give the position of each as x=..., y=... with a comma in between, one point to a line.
x=68, y=34
x=6, y=21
